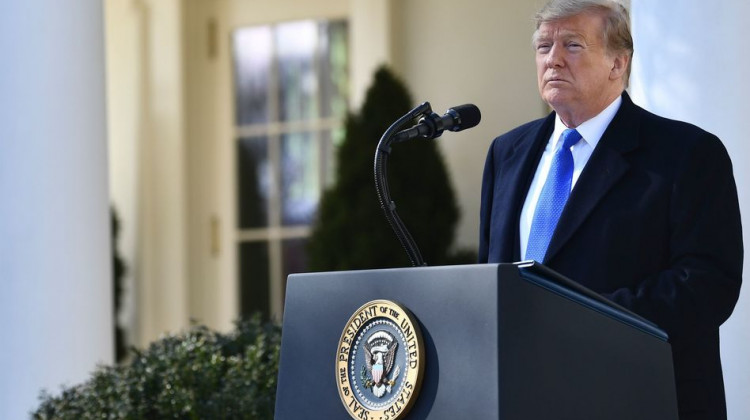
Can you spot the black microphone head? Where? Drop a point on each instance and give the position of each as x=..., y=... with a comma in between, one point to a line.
x=465, y=116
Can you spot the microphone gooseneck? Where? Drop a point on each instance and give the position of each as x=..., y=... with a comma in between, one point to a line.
x=430, y=126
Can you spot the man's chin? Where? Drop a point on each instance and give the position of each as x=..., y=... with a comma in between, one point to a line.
x=555, y=98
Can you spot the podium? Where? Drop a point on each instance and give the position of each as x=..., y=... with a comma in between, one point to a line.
x=501, y=341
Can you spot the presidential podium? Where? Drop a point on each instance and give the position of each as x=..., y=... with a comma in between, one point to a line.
x=501, y=341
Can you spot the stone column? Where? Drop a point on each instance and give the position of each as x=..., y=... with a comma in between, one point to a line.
x=55, y=259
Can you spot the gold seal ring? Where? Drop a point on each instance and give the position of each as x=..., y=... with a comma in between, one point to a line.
x=380, y=362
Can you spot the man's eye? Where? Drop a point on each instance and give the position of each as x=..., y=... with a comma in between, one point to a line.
x=574, y=46
x=543, y=47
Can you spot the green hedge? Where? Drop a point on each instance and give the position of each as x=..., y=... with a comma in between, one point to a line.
x=200, y=374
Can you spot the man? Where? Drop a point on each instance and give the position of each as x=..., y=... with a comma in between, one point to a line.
x=634, y=206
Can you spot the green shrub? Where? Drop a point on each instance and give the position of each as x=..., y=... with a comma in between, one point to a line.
x=200, y=374
x=351, y=231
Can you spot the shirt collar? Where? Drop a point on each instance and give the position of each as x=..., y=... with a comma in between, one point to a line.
x=592, y=129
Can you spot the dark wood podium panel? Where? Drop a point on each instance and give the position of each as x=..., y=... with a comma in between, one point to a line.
x=502, y=342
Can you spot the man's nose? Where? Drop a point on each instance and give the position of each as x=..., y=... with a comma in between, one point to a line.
x=555, y=56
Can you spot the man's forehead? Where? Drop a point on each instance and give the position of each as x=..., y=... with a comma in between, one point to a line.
x=559, y=31
x=584, y=25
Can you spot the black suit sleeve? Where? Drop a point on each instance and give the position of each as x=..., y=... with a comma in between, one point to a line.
x=699, y=287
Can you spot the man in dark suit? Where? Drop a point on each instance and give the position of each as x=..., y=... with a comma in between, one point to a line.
x=636, y=207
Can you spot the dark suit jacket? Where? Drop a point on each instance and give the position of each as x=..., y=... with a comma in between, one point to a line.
x=653, y=223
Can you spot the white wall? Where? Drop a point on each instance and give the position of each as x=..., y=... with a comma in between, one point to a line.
x=476, y=51
x=205, y=35
x=691, y=64
x=371, y=40
x=125, y=97
x=146, y=97
x=55, y=261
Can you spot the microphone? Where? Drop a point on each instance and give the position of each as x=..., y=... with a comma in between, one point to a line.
x=432, y=126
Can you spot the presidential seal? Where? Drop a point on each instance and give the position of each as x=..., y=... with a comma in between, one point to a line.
x=380, y=362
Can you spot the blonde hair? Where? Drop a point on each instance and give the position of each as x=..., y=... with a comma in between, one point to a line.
x=616, y=34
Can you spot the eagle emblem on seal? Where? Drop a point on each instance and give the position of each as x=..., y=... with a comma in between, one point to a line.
x=380, y=355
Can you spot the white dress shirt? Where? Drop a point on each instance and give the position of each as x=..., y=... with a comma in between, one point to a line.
x=591, y=131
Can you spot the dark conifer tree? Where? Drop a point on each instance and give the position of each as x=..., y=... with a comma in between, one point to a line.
x=351, y=231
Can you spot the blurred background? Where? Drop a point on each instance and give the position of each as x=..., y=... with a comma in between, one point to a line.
x=211, y=127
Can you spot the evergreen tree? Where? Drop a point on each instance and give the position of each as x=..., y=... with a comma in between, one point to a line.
x=351, y=231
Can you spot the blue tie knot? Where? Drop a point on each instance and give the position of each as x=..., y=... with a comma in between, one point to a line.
x=570, y=137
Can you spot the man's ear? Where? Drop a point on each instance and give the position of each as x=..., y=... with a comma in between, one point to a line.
x=619, y=66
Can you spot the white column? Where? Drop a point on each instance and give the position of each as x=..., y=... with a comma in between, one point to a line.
x=161, y=268
x=691, y=64
x=55, y=260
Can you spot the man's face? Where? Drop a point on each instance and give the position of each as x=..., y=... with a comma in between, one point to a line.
x=574, y=71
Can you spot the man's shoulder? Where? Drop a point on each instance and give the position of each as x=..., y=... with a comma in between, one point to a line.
x=665, y=128
x=657, y=123
x=531, y=127
x=677, y=137
x=524, y=132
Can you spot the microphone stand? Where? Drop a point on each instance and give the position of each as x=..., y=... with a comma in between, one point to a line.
x=382, y=153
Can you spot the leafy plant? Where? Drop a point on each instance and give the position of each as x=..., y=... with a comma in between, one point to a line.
x=199, y=374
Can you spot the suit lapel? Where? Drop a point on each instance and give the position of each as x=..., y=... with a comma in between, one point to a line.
x=517, y=172
x=605, y=167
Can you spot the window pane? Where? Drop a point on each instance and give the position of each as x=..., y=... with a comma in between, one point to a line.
x=253, y=182
x=298, y=86
x=294, y=258
x=252, y=55
x=254, y=276
x=333, y=69
x=300, y=188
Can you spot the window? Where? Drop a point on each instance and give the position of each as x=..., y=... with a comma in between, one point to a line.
x=290, y=101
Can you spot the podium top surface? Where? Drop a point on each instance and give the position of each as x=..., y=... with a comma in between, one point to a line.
x=529, y=271
x=557, y=283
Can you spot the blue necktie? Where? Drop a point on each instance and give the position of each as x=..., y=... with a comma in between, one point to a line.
x=553, y=197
